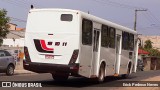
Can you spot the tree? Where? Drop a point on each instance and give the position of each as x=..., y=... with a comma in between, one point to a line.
x=4, y=20
x=149, y=48
x=154, y=52
x=148, y=44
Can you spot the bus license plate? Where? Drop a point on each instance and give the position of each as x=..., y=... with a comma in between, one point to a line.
x=49, y=56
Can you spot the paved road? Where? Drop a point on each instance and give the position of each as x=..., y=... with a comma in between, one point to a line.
x=75, y=83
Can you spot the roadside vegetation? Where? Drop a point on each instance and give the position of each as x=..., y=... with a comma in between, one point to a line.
x=4, y=26
x=149, y=48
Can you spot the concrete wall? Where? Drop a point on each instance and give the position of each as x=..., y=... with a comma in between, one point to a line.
x=154, y=39
x=12, y=26
x=151, y=63
x=12, y=43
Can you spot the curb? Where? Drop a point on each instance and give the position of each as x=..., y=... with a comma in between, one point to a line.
x=23, y=72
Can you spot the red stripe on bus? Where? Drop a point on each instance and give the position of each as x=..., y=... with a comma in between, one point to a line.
x=43, y=44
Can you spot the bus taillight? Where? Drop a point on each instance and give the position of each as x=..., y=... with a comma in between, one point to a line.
x=74, y=57
x=27, y=57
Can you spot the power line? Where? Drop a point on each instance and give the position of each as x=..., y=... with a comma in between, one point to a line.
x=151, y=18
x=21, y=3
x=13, y=3
x=108, y=3
x=116, y=4
x=155, y=18
x=30, y=3
x=17, y=19
x=148, y=15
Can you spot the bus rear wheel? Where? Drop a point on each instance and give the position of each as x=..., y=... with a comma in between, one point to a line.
x=60, y=76
x=127, y=74
x=101, y=75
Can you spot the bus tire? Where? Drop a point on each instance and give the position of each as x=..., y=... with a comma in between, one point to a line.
x=101, y=75
x=128, y=72
x=60, y=76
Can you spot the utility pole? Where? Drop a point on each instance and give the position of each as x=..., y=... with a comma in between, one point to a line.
x=137, y=43
x=135, y=18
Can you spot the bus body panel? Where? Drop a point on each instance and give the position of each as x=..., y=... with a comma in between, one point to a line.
x=85, y=61
x=124, y=61
x=50, y=40
x=61, y=52
x=89, y=58
x=96, y=48
x=108, y=54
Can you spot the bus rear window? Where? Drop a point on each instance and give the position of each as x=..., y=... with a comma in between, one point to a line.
x=66, y=17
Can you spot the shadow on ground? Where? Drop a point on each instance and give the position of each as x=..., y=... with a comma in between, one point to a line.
x=110, y=81
x=79, y=82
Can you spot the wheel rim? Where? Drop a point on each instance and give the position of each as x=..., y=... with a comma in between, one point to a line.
x=10, y=70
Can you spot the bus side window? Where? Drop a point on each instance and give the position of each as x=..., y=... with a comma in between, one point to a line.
x=125, y=40
x=87, y=27
x=112, y=34
x=105, y=36
x=131, y=42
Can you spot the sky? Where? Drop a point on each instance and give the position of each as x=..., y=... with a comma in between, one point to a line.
x=118, y=11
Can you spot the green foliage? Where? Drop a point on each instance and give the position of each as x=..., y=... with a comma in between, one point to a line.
x=148, y=44
x=4, y=20
x=148, y=47
x=153, y=52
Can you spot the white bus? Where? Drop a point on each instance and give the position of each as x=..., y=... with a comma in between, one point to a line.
x=67, y=42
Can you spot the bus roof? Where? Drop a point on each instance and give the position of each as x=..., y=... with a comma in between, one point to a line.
x=90, y=17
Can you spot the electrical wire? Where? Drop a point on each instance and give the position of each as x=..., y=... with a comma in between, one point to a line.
x=149, y=15
x=17, y=19
x=21, y=3
x=116, y=4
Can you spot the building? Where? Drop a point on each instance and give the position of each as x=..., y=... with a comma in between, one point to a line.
x=20, y=29
x=154, y=39
x=15, y=38
x=12, y=26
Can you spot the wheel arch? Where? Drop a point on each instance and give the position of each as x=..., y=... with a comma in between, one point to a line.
x=103, y=61
x=129, y=65
x=11, y=65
